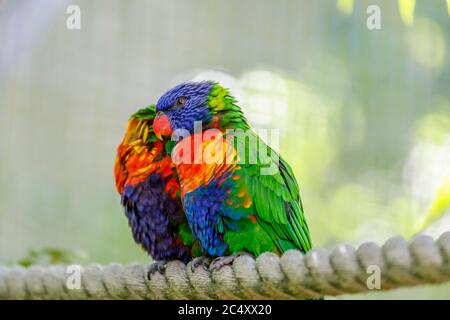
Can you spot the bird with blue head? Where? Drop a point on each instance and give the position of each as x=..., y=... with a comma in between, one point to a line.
x=230, y=206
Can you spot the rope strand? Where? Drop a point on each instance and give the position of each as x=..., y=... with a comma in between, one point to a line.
x=291, y=276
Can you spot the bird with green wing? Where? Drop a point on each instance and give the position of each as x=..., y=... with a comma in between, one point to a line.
x=238, y=194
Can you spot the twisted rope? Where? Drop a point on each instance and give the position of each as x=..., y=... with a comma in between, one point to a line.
x=291, y=276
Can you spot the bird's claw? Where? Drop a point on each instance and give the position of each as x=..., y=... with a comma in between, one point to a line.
x=158, y=266
x=220, y=262
x=200, y=261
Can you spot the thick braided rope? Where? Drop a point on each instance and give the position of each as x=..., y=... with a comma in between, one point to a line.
x=291, y=276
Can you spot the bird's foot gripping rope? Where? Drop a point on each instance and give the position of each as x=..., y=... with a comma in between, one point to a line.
x=202, y=261
x=157, y=266
x=221, y=262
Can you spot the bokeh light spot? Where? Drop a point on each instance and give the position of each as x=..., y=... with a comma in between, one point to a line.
x=406, y=8
x=427, y=44
x=345, y=7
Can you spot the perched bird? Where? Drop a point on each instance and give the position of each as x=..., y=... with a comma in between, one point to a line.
x=147, y=182
x=234, y=202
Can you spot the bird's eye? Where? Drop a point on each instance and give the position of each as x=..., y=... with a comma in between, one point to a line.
x=180, y=102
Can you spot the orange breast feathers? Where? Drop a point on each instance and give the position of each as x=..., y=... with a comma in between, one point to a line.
x=136, y=158
x=203, y=157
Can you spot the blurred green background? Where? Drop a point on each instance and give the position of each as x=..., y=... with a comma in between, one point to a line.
x=364, y=114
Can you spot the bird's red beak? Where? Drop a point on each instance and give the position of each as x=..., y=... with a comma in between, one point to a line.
x=161, y=126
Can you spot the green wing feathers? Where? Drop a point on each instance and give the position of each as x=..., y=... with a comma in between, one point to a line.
x=277, y=202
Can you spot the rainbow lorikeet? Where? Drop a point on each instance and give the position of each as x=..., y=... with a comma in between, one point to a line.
x=238, y=202
x=147, y=182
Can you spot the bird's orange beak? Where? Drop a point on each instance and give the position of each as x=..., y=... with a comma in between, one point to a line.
x=161, y=126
